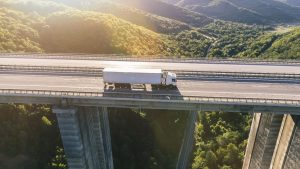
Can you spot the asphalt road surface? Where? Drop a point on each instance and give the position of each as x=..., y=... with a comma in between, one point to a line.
x=185, y=87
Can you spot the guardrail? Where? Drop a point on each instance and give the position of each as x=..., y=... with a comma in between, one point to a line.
x=145, y=96
x=51, y=69
x=237, y=75
x=151, y=58
x=97, y=71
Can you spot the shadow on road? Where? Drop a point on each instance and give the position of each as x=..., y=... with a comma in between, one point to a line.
x=142, y=92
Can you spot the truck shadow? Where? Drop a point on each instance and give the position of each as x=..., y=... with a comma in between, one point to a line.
x=148, y=92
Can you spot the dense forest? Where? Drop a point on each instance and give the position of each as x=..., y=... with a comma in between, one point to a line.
x=221, y=139
x=29, y=138
x=146, y=139
x=140, y=138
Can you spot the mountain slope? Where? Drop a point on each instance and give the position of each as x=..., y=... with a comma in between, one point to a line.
x=254, y=11
x=150, y=21
x=94, y=32
x=91, y=32
x=169, y=11
x=228, y=11
x=270, y=9
x=291, y=2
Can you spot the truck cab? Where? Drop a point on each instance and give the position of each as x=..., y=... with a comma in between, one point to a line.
x=170, y=79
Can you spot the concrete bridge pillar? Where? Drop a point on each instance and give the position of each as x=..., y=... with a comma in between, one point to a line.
x=86, y=137
x=188, y=142
x=262, y=140
x=287, y=151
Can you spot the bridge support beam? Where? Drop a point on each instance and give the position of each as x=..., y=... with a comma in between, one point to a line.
x=262, y=140
x=188, y=142
x=86, y=137
x=287, y=151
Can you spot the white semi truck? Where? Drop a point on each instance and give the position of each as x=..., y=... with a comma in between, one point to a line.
x=131, y=76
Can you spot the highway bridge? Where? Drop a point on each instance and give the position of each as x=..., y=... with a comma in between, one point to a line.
x=73, y=84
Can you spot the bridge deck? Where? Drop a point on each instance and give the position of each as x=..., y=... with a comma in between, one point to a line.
x=187, y=87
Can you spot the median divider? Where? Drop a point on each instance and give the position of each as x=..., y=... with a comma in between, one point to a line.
x=181, y=75
x=89, y=71
x=236, y=75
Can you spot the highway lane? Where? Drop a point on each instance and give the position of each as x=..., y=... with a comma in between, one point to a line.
x=185, y=87
x=51, y=82
x=163, y=65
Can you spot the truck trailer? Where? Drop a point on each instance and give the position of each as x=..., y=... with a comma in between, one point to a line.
x=131, y=76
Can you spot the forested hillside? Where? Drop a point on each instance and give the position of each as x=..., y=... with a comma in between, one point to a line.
x=17, y=32
x=101, y=33
x=286, y=46
x=34, y=7
x=232, y=38
x=109, y=29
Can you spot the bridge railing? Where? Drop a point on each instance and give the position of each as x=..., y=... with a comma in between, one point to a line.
x=147, y=96
x=150, y=58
